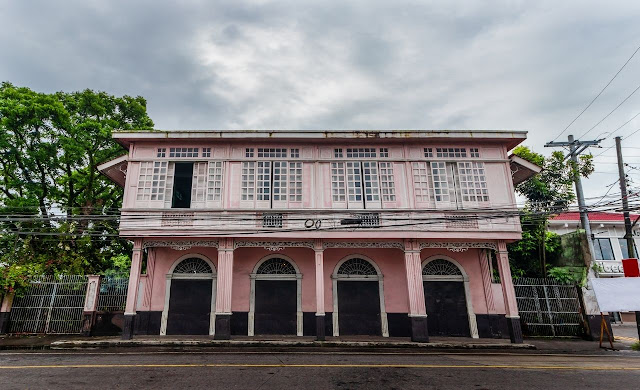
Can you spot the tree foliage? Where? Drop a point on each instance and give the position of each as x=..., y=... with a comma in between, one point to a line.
x=547, y=193
x=51, y=193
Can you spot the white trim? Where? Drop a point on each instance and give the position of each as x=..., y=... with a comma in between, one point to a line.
x=167, y=294
x=379, y=277
x=473, y=323
x=252, y=295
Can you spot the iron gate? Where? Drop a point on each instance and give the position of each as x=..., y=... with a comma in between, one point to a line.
x=113, y=294
x=548, y=307
x=51, y=304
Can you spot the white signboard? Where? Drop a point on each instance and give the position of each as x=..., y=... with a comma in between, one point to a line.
x=617, y=294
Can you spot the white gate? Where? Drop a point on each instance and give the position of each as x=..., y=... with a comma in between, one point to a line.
x=51, y=304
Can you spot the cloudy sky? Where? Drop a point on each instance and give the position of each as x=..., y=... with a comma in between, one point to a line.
x=526, y=65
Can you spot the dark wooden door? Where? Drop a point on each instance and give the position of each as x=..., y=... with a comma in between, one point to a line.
x=189, y=307
x=446, y=309
x=359, y=308
x=276, y=307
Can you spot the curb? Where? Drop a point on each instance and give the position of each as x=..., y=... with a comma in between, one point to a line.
x=93, y=344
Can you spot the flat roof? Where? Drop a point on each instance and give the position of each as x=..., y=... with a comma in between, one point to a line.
x=511, y=137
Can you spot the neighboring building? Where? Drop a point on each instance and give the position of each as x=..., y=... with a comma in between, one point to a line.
x=320, y=232
x=608, y=242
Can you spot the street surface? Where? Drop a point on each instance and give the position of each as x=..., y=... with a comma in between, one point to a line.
x=316, y=370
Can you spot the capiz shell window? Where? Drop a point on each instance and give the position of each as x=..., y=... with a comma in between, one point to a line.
x=152, y=180
x=183, y=152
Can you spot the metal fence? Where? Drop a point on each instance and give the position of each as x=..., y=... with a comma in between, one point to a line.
x=548, y=307
x=113, y=294
x=51, y=304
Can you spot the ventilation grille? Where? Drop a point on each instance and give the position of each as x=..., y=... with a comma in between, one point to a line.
x=272, y=220
x=461, y=222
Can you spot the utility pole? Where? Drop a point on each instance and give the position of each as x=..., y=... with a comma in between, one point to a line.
x=590, y=303
x=628, y=227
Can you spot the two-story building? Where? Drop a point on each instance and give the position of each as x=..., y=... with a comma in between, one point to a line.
x=318, y=233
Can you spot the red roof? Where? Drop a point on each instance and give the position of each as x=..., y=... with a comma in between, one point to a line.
x=593, y=216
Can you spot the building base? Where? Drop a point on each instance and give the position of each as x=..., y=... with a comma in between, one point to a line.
x=88, y=320
x=127, y=326
x=515, y=331
x=419, y=330
x=320, y=334
x=223, y=327
x=4, y=322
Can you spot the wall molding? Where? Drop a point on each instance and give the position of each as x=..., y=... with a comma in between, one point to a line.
x=180, y=245
x=458, y=246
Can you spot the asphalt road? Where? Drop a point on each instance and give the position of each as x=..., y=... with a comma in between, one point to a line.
x=315, y=370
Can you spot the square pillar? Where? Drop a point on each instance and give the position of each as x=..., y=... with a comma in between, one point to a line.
x=320, y=314
x=417, y=307
x=509, y=293
x=224, y=289
x=90, y=304
x=5, y=312
x=132, y=291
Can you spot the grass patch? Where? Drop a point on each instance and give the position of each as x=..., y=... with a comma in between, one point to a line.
x=636, y=346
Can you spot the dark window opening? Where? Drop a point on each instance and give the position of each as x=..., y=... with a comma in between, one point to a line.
x=182, y=185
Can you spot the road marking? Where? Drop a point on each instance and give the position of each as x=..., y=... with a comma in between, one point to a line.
x=625, y=338
x=237, y=365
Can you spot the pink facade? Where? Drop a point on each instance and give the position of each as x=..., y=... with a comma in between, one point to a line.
x=309, y=233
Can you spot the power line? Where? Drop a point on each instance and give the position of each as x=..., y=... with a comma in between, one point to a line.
x=612, y=111
x=598, y=95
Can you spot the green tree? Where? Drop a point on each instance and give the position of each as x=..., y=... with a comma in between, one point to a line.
x=547, y=193
x=53, y=201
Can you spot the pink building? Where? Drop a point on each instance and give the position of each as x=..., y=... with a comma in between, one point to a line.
x=386, y=233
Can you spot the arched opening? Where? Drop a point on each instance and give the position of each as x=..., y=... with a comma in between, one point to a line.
x=189, y=307
x=276, y=303
x=447, y=298
x=358, y=298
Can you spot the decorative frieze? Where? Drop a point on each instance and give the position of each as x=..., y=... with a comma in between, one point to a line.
x=273, y=246
x=180, y=245
x=459, y=246
x=363, y=244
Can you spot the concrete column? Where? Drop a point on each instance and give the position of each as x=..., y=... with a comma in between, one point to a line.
x=132, y=292
x=320, y=315
x=224, y=289
x=5, y=312
x=510, y=304
x=415, y=289
x=90, y=304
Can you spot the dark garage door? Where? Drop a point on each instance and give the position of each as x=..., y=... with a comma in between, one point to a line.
x=189, y=307
x=359, y=308
x=446, y=309
x=276, y=307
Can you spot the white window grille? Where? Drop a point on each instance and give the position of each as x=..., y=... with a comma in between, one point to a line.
x=248, y=180
x=473, y=182
x=421, y=182
x=428, y=152
x=370, y=181
x=338, y=182
x=354, y=182
x=264, y=180
x=440, y=182
x=152, y=180
x=199, y=182
x=461, y=221
x=295, y=153
x=361, y=152
x=168, y=188
x=272, y=220
x=214, y=182
x=451, y=152
x=337, y=153
x=272, y=153
x=370, y=219
x=248, y=152
x=183, y=152
x=295, y=181
x=387, y=182
x=280, y=169
x=206, y=152
x=162, y=152
x=384, y=152
x=474, y=152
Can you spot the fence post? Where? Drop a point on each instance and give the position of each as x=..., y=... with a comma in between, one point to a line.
x=5, y=312
x=90, y=304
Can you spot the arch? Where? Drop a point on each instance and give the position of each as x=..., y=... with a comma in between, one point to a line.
x=441, y=271
x=275, y=267
x=359, y=269
x=176, y=271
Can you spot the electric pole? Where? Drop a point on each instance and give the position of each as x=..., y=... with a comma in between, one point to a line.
x=631, y=252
